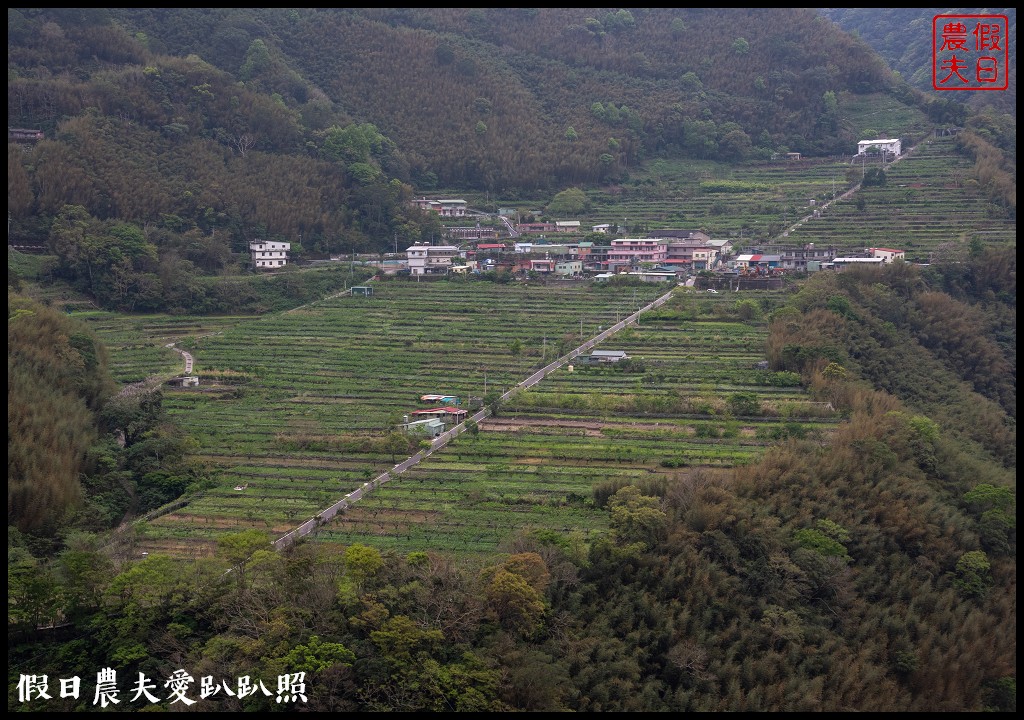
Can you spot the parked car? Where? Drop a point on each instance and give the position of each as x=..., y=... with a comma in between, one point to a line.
x=712, y=290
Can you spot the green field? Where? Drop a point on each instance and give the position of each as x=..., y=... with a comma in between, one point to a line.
x=296, y=409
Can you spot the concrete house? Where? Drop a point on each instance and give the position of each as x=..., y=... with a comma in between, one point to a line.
x=626, y=251
x=269, y=254
x=883, y=145
x=430, y=259
x=888, y=255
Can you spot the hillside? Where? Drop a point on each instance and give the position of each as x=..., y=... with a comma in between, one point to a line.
x=903, y=37
x=244, y=123
x=799, y=499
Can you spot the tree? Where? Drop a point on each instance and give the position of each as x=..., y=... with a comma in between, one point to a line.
x=972, y=576
x=690, y=82
x=636, y=517
x=513, y=602
x=353, y=143
x=362, y=562
x=569, y=202
x=257, y=59
x=874, y=176
x=240, y=548
x=315, y=656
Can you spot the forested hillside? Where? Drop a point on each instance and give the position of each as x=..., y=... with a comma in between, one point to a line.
x=903, y=37
x=317, y=126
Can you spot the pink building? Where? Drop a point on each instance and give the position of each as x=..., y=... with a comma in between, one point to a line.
x=641, y=250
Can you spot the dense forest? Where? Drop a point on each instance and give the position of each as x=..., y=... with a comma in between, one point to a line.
x=874, y=571
x=903, y=37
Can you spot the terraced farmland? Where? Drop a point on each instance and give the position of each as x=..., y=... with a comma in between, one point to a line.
x=927, y=200
x=299, y=408
x=678, y=409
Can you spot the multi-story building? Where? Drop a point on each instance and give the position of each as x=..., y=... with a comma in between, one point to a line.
x=430, y=259
x=630, y=251
x=694, y=254
x=269, y=254
x=444, y=208
x=796, y=257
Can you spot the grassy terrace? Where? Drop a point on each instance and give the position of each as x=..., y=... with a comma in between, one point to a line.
x=537, y=463
x=137, y=343
x=296, y=408
x=928, y=200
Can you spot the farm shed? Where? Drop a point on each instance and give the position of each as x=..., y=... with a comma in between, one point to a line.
x=443, y=399
x=431, y=427
x=597, y=357
x=185, y=381
x=362, y=290
x=444, y=414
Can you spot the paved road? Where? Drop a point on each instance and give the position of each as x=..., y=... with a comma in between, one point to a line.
x=440, y=441
x=845, y=195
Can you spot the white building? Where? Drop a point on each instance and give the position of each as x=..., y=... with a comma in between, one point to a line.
x=444, y=208
x=887, y=255
x=430, y=259
x=890, y=146
x=269, y=254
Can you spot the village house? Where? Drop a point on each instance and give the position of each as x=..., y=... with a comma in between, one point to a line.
x=269, y=254
x=887, y=255
x=568, y=268
x=758, y=261
x=676, y=234
x=430, y=427
x=887, y=145
x=797, y=257
x=603, y=228
x=538, y=228
x=24, y=135
x=444, y=208
x=567, y=226
x=427, y=259
x=631, y=251
x=447, y=415
x=472, y=233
